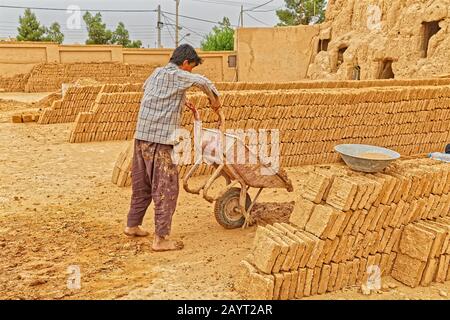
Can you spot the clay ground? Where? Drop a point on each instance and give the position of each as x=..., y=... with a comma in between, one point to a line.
x=58, y=208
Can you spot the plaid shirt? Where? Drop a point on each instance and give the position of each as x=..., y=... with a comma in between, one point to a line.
x=162, y=104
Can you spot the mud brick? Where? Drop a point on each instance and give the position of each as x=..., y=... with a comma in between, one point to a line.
x=324, y=279
x=361, y=218
x=362, y=271
x=277, y=286
x=315, y=255
x=347, y=273
x=284, y=291
x=389, y=215
x=266, y=250
x=442, y=270
x=368, y=219
x=416, y=242
x=376, y=217
x=384, y=263
x=299, y=293
x=254, y=285
x=349, y=249
x=316, y=186
x=371, y=189
x=353, y=217
x=310, y=242
x=377, y=239
x=347, y=219
x=316, y=280
x=341, y=249
x=389, y=187
x=284, y=249
x=290, y=262
x=407, y=215
x=408, y=270
x=383, y=215
x=439, y=236
x=340, y=277
x=429, y=272
x=17, y=118
x=420, y=209
x=293, y=286
x=308, y=282
x=393, y=240
x=428, y=206
x=301, y=213
x=291, y=231
x=392, y=258
x=395, y=190
x=357, y=246
x=319, y=220
x=326, y=249
x=342, y=193
x=27, y=117
x=354, y=273
x=363, y=246
x=404, y=187
x=375, y=194
x=360, y=192
x=336, y=226
x=369, y=243
x=395, y=222
x=332, y=277
x=415, y=212
x=334, y=245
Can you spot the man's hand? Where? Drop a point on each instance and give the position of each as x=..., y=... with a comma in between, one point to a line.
x=194, y=110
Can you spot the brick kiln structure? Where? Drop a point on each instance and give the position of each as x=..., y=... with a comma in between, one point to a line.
x=381, y=39
x=346, y=222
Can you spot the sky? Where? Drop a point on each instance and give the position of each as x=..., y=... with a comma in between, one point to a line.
x=142, y=25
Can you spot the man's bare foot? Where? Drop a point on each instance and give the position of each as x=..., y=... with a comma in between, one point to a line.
x=135, y=232
x=163, y=244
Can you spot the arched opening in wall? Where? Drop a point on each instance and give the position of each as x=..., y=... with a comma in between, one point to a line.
x=323, y=45
x=340, y=57
x=429, y=29
x=386, y=71
x=356, y=73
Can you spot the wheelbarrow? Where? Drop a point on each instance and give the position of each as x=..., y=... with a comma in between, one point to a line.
x=232, y=206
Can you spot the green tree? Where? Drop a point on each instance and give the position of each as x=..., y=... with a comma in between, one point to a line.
x=221, y=38
x=54, y=33
x=30, y=29
x=302, y=12
x=122, y=36
x=97, y=31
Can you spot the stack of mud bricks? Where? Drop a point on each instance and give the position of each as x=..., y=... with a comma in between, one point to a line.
x=15, y=83
x=25, y=117
x=410, y=120
x=239, y=86
x=122, y=169
x=81, y=99
x=49, y=77
x=75, y=101
x=113, y=117
x=347, y=223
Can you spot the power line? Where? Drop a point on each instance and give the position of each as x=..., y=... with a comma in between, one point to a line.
x=260, y=6
x=260, y=21
x=65, y=9
x=193, y=18
x=190, y=29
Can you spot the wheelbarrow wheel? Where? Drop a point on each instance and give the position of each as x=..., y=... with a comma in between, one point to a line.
x=226, y=209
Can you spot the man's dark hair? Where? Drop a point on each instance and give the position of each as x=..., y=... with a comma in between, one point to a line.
x=185, y=52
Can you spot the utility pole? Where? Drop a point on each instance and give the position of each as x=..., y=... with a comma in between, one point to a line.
x=177, y=24
x=160, y=25
x=242, y=16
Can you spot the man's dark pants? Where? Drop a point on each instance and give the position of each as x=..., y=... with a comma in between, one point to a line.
x=154, y=177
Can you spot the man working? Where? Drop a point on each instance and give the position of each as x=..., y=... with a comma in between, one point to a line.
x=154, y=175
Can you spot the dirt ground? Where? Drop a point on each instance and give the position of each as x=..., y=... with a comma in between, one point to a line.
x=58, y=209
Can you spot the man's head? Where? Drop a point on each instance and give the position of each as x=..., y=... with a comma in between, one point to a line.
x=185, y=57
